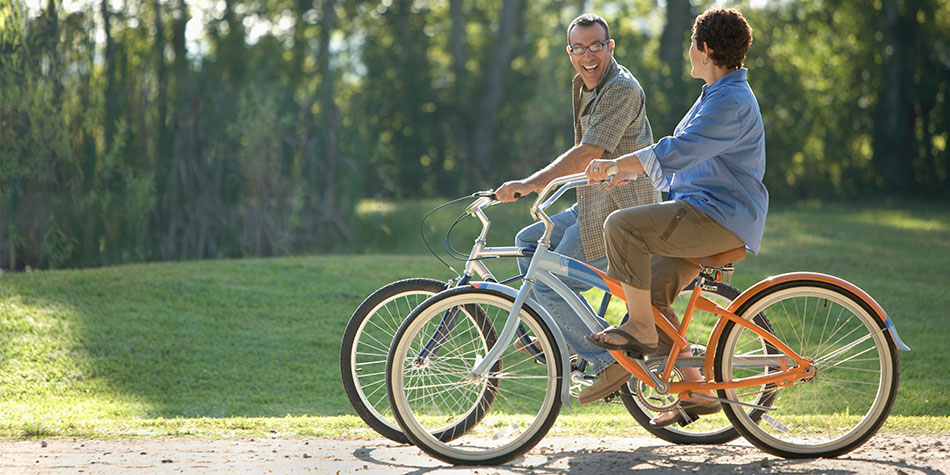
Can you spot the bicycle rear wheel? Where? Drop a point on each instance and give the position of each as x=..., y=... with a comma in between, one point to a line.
x=365, y=347
x=708, y=430
x=516, y=402
x=854, y=383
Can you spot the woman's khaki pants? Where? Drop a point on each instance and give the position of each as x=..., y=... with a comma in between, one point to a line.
x=647, y=247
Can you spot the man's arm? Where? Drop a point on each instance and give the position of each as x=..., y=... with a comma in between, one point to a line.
x=574, y=160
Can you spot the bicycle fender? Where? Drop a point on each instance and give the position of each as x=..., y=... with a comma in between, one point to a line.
x=558, y=336
x=825, y=278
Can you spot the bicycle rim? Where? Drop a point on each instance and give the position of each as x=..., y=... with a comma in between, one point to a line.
x=513, y=406
x=854, y=384
x=366, y=344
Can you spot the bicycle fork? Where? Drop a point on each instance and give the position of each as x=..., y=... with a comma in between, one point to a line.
x=507, y=333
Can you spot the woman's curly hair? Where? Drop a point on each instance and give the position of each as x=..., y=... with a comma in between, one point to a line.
x=727, y=33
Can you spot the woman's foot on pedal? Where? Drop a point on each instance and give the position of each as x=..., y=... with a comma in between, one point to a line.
x=622, y=341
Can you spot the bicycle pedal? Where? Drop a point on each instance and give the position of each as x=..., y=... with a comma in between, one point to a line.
x=686, y=420
x=609, y=399
x=634, y=355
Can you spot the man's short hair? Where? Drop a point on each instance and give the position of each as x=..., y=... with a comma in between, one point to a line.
x=587, y=19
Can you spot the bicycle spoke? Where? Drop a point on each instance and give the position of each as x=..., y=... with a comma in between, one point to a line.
x=846, y=397
x=443, y=406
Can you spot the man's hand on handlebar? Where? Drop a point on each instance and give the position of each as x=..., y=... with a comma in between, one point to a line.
x=512, y=190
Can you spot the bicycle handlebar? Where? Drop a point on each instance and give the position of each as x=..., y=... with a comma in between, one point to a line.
x=556, y=188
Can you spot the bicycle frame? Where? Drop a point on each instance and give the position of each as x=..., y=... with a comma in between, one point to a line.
x=547, y=265
x=474, y=265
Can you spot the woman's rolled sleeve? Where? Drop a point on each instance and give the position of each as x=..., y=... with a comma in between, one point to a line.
x=652, y=168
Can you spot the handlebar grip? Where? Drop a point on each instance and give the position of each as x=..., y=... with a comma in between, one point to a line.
x=495, y=198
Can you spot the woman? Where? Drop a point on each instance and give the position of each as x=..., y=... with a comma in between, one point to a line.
x=712, y=167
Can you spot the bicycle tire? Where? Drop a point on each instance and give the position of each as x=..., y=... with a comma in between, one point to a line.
x=856, y=371
x=422, y=398
x=365, y=346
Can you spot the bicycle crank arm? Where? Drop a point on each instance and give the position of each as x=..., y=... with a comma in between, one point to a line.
x=639, y=370
x=659, y=385
x=579, y=378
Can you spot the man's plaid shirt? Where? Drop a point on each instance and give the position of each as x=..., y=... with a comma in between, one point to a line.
x=615, y=119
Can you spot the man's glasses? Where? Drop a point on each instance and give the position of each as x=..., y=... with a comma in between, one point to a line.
x=594, y=48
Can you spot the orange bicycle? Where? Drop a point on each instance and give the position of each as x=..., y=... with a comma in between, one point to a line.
x=804, y=364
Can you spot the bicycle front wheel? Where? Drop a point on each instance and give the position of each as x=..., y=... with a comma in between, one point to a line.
x=365, y=346
x=852, y=388
x=430, y=389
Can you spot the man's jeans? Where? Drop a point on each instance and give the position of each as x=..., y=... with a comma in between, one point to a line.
x=566, y=240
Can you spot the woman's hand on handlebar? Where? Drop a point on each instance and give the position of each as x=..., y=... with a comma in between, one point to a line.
x=512, y=190
x=621, y=170
x=600, y=170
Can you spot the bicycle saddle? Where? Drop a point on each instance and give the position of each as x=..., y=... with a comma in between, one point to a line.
x=721, y=259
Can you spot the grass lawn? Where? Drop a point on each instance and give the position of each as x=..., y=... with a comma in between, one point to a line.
x=246, y=347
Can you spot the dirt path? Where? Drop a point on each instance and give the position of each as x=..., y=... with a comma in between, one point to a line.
x=601, y=456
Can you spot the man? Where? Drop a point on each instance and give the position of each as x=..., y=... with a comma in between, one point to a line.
x=609, y=121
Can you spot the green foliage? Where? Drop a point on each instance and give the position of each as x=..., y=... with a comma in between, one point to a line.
x=259, y=137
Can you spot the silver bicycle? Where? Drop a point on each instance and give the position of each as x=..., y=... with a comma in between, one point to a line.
x=372, y=328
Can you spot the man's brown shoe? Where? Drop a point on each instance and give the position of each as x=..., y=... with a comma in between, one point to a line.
x=606, y=382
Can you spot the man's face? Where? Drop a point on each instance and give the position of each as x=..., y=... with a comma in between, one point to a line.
x=591, y=66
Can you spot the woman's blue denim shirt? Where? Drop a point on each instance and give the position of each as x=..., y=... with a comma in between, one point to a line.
x=715, y=159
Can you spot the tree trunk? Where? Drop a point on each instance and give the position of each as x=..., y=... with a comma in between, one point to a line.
x=679, y=16
x=460, y=119
x=234, y=54
x=894, y=149
x=483, y=137
x=334, y=230
x=172, y=215
x=163, y=146
x=161, y=73
x=111, y=113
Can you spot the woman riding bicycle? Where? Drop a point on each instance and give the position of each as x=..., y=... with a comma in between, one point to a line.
x=712, y=166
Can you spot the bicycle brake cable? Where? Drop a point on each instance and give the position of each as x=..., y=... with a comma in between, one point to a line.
x=449, y=248
x=422, y=229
